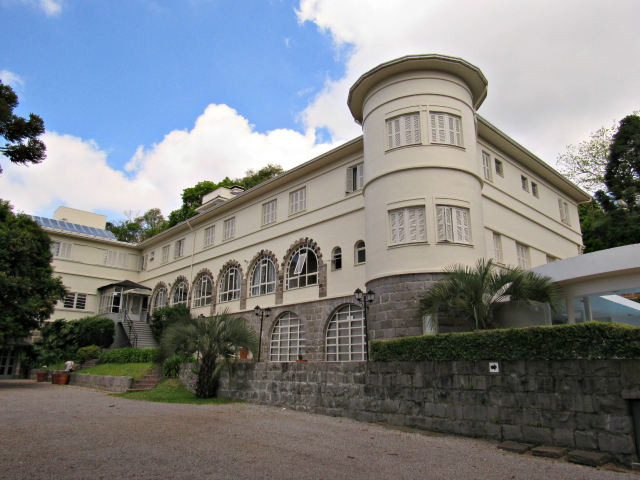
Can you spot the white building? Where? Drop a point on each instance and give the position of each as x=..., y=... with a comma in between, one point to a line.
x=430, y=183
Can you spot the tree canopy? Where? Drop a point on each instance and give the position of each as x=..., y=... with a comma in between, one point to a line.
x=135, y=228
x=22, y=145
x=28, y=289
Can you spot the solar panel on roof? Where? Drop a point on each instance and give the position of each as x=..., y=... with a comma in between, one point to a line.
x=73, y=227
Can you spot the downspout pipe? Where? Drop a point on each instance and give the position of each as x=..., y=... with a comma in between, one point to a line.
x=193, y=252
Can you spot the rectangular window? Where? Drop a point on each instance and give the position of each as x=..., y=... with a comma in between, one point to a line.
x=446, y=128
x=486, y=165
x=499, y=168
x=453, y=224
x=298, y=201
x=403, y=130
x=77, y=301
x=408, y=225
x=61, y=249
x=229, y=228
x=497, y=247
x=355, y=177
x=534, y=190
x=165, y=254
x=269, y=212
x=142, y=262
x=551, y=259
x=178, y=249
x=525, y=183
x=209, y=235
x=564, y=211
x=523, y=256
x=113, y=258
x=152, y=255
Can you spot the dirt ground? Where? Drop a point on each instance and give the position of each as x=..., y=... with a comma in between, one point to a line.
x=63, y=432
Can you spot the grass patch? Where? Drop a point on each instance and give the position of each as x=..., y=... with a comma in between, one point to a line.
x=57, y=366
x=135, y=370
x=172, y=391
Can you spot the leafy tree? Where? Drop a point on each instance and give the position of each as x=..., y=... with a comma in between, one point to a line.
x=216, y=339
x=135, y=228
x=15, y=130
x=192, y=197
x=66, y=337
x=477, y=293
x=622, y=176
x=163, y=317
x=28, y=289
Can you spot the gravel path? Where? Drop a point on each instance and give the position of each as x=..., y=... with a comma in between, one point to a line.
x=63, y=432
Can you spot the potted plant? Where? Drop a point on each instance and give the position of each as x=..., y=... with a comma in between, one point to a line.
x=300, y=359
x=41, y=376
x=244, y=353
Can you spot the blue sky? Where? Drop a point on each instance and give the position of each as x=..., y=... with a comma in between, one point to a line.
x=142, y=98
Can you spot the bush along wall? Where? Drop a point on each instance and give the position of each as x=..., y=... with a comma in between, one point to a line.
x=588, y=341
x=130, y=355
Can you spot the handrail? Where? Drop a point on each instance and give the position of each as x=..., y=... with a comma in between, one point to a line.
x=133, y=335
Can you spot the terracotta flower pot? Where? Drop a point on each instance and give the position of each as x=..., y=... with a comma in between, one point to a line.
x=55, y=378
x=41, y=376
x=244, y=352
x=64, y=379
x=300, y=361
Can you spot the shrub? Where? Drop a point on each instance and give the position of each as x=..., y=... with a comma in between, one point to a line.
x=590, y=341
x=171, y=366
x=173, y=314
x=87, y=353
x=130, y=355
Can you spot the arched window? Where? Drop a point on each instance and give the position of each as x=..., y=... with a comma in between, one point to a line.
x=180, y=294
x=345, y=335
x=302, y=269
x=230, y=285
x=263, y=277
x=336, y=258
x=160, y=299
x=202, y=292
x=287, y=339
x=360, y=255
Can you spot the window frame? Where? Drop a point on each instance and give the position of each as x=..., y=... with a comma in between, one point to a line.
x=403, y=130
x=355, y=173
x=116, y=258
x=448, y=230
x=449, y=130
x=178, y=249
x=271, y=216
x=564, y=211
x=523, y=253
x=76, y=300
x=63, y=250
x=336, y=258
x=209, y=236
x=486, y=166
x=302, y=251
x=400, y=225
x=230, y=278
x=300, y=204
x=524, y=182
x=202, y=295
x=333, y=341
x=165, y=253
x=181, y=287
x=292, y=351
x=499, y=167
x=229, y=228
x=498, y=254
x=265, y=285
x=535, y=190
x=360, y=247
x=165, y=296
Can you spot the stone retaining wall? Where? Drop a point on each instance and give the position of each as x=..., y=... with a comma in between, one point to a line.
x=101, y=382
x=578, y=404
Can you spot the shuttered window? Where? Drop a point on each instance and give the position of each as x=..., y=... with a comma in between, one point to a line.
x=497, y=247
x=209, y=236
x=523, y=256
x=499, y=168
x=269, y=212
x=113, y=258
x=564, y=211
x=61, y=249
x=165, y=254
x=298, y=201
x=229, y=228
x=446, y=128
x=453, y=224
x=486, y=165
x=403, y=130
x=408, y=225
x=355, y=177
x=178, y=249
x=76, y=301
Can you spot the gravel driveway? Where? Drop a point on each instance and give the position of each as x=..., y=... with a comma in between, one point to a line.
x=64, y=432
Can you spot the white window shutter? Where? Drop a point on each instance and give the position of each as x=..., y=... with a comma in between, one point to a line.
x=408, y=131
x=465, y=226
x=401, y=227
x=416, y=128
x=390, y=133
x=442, y=129
x=349, y=184
x=458, y=132
x=396, y=132
x=561, y=207
x=394, y=227
x=422, y=225
x=412, y=222
x=360, y=176
x=459, y=233
x=452, y=137
x=434, y=129
x=442, y=225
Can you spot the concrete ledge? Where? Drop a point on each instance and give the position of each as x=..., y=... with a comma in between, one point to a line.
x=101, y=382
x=513, y=447
x=591, y=459
x=549, y=452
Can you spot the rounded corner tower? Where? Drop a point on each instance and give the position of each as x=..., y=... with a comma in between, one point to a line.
x=422, y=186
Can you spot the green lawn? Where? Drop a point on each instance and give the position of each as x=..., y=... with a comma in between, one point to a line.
x=172, y=391
x=135, y=370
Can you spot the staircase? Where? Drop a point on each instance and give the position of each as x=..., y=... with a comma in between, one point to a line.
x=148, y=382
x=139, y=333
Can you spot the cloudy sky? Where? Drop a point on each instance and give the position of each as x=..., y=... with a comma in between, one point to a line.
x=144, y=98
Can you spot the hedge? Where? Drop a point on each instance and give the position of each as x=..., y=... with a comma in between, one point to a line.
x=590, y=341
x=130, y=355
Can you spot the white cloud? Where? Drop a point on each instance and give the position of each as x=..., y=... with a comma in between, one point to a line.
x=11, y=79
x=556, y=70
x=76, y=172
x=51, y=8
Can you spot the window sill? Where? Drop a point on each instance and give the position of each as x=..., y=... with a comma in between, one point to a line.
x=299, y=288
x=404, y=146
x=435, y=144
x=459, y=244
x=408, y=244
x=297, y=213
x=359, y=264
x=228, y=301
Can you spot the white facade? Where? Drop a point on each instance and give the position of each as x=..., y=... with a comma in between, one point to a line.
x=429, y=183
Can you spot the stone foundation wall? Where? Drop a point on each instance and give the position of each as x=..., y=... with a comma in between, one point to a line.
x=101, y=382
x=578, y=404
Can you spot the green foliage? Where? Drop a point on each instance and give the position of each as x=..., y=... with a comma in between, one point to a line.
x=477, y=293
x=192, y=197
x=171, y=314
x=622, y=176
x=136, y=228
x=130, y=355
x=172, y=391
x=28, y=289
x=87, y=353
x=69, y=336
x=217, y=340
x=590, y=341
x=171, y=366
x=135, y=370
x=15, y=130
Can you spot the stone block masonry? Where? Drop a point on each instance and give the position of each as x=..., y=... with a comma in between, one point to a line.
x=577, y=404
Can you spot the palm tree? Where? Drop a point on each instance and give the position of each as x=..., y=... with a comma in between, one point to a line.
x=216, y=339
x=478, y=292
